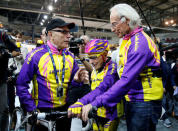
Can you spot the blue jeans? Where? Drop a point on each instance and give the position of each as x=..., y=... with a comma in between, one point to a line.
x=142, y=116
x=3, y=107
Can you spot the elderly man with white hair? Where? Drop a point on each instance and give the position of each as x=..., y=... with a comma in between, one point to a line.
x=140, y=81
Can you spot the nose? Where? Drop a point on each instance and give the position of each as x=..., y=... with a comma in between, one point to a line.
x=69, y=35
x=112, y=29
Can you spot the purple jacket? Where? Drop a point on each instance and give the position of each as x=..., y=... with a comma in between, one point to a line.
x=39, y=68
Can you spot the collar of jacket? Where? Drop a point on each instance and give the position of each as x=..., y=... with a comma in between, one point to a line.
x=54, y=48
x=128, y=36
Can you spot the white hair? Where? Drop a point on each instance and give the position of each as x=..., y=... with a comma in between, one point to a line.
x=85, y=38
x=125, y=10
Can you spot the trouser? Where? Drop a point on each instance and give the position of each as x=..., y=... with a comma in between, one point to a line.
x=142, y=116
x=11, y=95
x=176, y=105
x=105, y=124
x=167, y=104
x=3, y=107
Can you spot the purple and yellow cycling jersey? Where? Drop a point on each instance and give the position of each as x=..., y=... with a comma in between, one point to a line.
x=139, y=72
x=39, y=67
x=100, y=83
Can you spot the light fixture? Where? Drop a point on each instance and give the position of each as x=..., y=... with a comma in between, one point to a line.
x=50, y=8
x=172, y=21
x=55, y=1
x=45, y=17
x=41, y=23
x=43, y=20
x=166, y=22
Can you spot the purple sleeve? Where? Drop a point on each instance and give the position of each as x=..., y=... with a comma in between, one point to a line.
x=74, y=70
x=24, y=78
x=136, y=61
x=110, y=78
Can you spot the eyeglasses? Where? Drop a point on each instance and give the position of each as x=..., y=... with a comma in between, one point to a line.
x=114, y=24
x=94, y=57
x=65, y=32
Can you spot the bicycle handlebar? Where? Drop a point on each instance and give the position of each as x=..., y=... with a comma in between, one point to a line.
x=43, y=115
x=51, y=115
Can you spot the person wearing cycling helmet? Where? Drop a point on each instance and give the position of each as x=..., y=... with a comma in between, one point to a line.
x=103, y=77
x=51, y=67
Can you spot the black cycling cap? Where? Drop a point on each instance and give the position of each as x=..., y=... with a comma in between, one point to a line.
x=54, y=23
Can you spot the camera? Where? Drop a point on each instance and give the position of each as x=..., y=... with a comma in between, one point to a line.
x=73, y=43
x=4, y=53
x=12, y=74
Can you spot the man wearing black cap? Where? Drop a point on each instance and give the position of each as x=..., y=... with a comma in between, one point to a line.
x=52, y=68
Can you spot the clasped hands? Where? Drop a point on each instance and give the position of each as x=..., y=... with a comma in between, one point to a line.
x=82, y=75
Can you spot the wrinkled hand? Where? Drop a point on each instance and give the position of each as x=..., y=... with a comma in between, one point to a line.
x=85, y=111
x=15, y=53
x=75, y=110
x=82, y=75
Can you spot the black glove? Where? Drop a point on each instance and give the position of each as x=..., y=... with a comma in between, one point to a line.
x=33, y=119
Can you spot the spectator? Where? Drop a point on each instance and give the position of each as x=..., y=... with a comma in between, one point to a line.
x=6, y=45
x=83, y=57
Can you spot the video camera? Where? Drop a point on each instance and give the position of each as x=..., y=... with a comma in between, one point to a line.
x=12, y=74
x=74, y=45
x=4, y=52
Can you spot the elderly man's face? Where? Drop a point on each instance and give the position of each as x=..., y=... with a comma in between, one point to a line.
x=60, y=37
x=118, y=27
x=96, y=61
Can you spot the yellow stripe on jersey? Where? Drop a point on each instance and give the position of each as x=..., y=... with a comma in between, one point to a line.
x=47, y=71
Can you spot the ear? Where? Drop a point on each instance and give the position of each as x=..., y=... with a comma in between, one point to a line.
x=49, y=33
x=123, y=19
x=105, y=53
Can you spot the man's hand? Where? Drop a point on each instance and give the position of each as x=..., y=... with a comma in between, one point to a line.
x=85, y=111
x=75, y=110
x=15, y=53
x=82, y=76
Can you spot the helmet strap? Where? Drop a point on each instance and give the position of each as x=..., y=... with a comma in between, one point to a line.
x=103, y=57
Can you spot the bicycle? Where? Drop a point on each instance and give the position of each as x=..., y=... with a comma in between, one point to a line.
x=46, y=119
